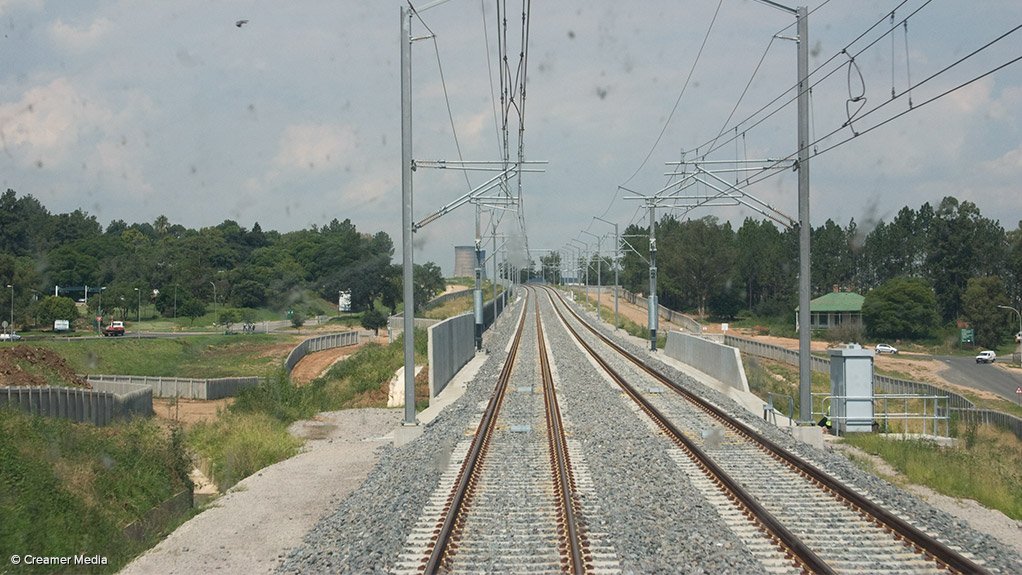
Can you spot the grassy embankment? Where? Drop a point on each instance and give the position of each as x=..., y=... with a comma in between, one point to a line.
x=196, y=356
x=252, y=433
x=68, y=489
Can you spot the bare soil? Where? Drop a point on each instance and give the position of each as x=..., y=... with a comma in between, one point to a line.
x=316, y=364
x=190, y=411
x=26, y=365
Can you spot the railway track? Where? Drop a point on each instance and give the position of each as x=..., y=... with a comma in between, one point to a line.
x=517, y=500
x=487, y=488
x=811, y=521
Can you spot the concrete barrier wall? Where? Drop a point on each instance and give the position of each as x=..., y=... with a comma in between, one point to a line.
x=96, y=406
x=451, y=346
x=182, y=387
x=721, y=362
x=319, y=343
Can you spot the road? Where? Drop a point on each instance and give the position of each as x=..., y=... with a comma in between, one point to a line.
x=983, y=376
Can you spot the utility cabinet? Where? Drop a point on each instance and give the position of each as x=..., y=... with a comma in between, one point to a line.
x=851, y=388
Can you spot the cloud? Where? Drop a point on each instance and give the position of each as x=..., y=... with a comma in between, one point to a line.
x=75, y=39
x=1008, y=165
x=311, y=146
x=45, y=123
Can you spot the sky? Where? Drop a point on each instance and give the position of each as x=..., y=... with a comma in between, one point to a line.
x=130, y=110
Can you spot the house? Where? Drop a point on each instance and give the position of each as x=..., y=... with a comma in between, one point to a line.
x=836, y=309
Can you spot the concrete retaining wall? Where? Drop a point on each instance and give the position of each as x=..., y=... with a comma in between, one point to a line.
x=98, y=406
x=721, y=362
x=182, y=387
x=451, y=346
x=320, y=343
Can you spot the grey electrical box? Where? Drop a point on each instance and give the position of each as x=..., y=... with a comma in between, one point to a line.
x=851, y=388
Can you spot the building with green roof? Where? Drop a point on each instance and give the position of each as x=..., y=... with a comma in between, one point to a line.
x=835, y=309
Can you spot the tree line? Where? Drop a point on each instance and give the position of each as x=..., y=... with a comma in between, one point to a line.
x=178, y=270
x=937, y=266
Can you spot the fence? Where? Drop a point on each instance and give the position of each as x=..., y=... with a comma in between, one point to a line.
x=668, y=315
x=451, y=346
x=958, y=405
x=99, y=406
x=182, y=387
x=319, y=344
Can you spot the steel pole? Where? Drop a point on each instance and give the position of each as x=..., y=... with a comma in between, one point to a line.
x=11, y=327
x=652, y=299
x=805, y=373
x=406, y=215
x=617, y=261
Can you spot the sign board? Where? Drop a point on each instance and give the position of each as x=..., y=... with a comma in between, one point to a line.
x=344, y=301
x=61, y=325
x=723, y=327
x=968, y=335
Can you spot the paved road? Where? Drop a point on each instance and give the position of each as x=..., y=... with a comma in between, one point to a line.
x=984, y=376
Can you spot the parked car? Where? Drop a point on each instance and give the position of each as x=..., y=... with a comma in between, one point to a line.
x=884, y=348
x=115, y=329
x=9, y=337
x=986, y=357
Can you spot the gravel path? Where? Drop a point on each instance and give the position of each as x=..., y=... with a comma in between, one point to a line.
x=250, y=529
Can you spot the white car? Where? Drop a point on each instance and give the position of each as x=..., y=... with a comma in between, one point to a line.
x=9, y=337
x=884, y=348
x=986, y=357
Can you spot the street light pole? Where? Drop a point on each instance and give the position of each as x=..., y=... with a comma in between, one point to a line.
x=214, y=302
x=138, y=332
x=12, y=311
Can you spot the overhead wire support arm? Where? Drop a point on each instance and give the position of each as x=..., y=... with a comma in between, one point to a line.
x=464, y=199
x=478, y=165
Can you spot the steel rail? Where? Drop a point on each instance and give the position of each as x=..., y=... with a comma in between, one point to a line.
x=941, y=553
x=572, y=539
x=446, y=535
x=795, y=548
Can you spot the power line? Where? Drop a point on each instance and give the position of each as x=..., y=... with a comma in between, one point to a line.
x=684, y=88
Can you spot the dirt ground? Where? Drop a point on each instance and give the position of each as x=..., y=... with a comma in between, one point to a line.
x=26, y=365
x=189, y=411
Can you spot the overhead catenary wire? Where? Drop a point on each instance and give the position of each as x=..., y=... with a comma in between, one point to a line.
x=752, y=120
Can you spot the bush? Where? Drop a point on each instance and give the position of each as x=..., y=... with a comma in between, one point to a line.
x=240, y=443
x=71, y=487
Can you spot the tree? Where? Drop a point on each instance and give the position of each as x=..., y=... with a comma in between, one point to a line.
x=51, y=308
x=979, y=302
x=962, y=245
x=900, y=308
x=192, y=308
x=373, y=319
x=428, y=283
x=228, y=317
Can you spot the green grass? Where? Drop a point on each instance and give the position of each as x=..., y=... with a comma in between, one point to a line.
x=68, y=488
x=239, y=443
x=766, y=376
x=194, y=356
x=985, y=465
